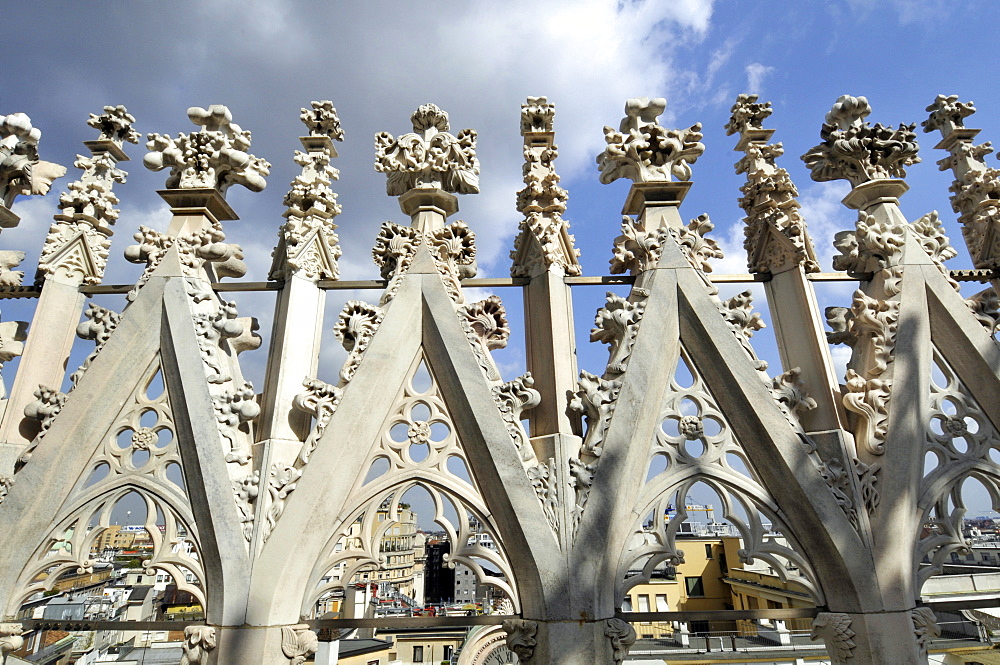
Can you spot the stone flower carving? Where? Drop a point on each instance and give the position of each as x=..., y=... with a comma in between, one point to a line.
x=198, y=641
x=214, y=157
x=643, y=151
x=856, y=151
x=429, y=157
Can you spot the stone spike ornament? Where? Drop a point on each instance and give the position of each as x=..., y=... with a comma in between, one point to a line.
x=266, y=507
x=543, y=242
x=643, y=151
x=857, y=151
x=21, y=171
x=975, y=192
x=214, y=157
x=308, y=242
x=429, y=157
x=775, y=233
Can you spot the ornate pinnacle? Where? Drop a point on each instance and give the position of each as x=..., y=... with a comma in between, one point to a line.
x=747, y=113
x=976, y=188
x=643, y=151
x=115, y=124
x=213, y=157
x=308, y=242
x=544, y=242
x=856, y=151
x=947, y=114
x=21, y=172
x=428, y=158
x=775, y=233
x=322, y=120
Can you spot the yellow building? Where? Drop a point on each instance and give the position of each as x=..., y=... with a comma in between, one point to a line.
x=113, y=538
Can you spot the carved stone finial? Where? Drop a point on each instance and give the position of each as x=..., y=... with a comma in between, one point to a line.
x=428, y=158
x=746, y=114
x=643, y=151
x=21, y=172
x=322, y=120
x=115, y=124
x=856, y=151
x=198, y=641
x=947, y=114
x=536, y=115
x=213, y=157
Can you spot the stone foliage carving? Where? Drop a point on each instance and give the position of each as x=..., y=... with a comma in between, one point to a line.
x=775, y=233
x=453, y=249
x=622, y=636
x=355, y=328
x=513, y=398
x=10, y=639
x=543, y=242
x=298, y=643
x=985, y=306
x=521, y=637
x=789, y=392
x=485, y=325
x=213, y=157
x=100, y=323
x=636, y=249
x=21, y=171
x=834, y=628
x=198, y=641
x=869, y=399
x=925, y=627
x=744, y=322
x=429, y=157
x=319, y=400
x=696, y=244
x=643, y=151
x=234, y=408
x=616, y=325
x=857, y=151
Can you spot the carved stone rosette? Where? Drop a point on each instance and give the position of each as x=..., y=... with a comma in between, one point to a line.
x=213, y=157
x=543, y=242
x=775, y=233
x=643, y=151
x=308, y=242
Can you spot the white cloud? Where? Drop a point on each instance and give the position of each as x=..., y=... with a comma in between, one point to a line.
x=755, y=76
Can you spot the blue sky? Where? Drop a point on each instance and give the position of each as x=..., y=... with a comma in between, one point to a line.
x=378, y=60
